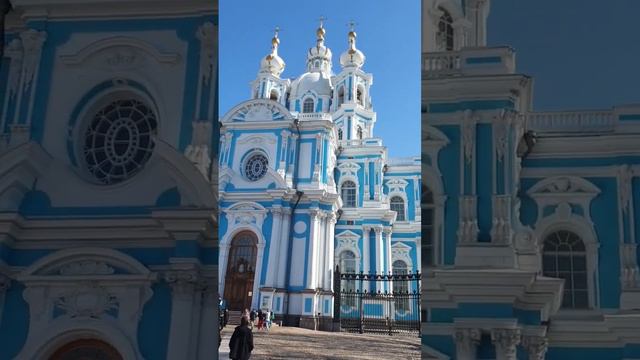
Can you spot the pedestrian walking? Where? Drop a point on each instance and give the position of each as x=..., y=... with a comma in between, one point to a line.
x=260, y=319
x=273, y=318
x=241, y=343
x=252, y=318
x=267, y=318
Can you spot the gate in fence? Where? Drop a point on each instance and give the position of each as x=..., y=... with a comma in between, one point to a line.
x=377, y=303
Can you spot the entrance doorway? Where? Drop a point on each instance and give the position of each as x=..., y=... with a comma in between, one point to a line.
x=238, y=288
x=86, y=349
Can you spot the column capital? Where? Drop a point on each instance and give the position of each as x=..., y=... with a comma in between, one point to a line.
x=277, y=210
x=535, y=345
x=183, y=282
x=505, y=341
x=314, y=213
x=467, y=339
x=387, y=230
x=377, y=229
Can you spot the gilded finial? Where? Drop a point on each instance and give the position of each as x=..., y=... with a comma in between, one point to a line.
x=275, y=41
x=320, y=32
x=352, y=37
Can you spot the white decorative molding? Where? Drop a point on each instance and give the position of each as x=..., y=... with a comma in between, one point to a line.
x=468, y=225
x=87, y=267
x=348, y=169
x=625, y=175
x=259, y=139
x=87, y=300
x=198, y=151
x=257, y=110
x=563, y=189
x=506, y=342
x=501, y=230
x=207, y=35
x=245, y=213
x=400, y=251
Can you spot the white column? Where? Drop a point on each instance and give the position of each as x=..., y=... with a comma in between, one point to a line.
x=536, y=346
x=329, y=260
x=505, y=341
x=284, y=248
x=387, y=246
x=208, y=322
x=322, y=246
x=274, y=247
x=182, y=299
x=366, y=179
x=466, y=342
x=223, y=258
x=313, y=237
x=255, y=293
x=379, y=256
x=365, y=249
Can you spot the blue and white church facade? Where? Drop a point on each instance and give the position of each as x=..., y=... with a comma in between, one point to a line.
x=530, y=219
x=305, y=186
x=107, y=199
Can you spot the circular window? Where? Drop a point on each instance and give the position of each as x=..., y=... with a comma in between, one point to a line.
x=119, y=140
x=256, y=167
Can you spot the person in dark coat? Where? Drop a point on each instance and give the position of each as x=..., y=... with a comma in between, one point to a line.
x=241, y=343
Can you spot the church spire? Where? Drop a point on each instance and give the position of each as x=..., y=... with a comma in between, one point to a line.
x=272, y=63
x=319, y=57
x=352, y=57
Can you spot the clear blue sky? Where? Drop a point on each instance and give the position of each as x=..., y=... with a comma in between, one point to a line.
x=388, y=34
x=583, y=54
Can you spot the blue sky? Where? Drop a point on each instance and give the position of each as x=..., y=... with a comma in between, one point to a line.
x=388, y=34
x=583, y=54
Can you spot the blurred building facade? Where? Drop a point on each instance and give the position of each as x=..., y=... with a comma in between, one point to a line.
x=529, y=218
x=107, y=197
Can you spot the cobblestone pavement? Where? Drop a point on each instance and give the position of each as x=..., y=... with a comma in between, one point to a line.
x=297, y=343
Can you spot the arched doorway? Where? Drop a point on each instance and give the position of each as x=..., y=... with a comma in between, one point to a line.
x=86, y=349
x=238, y=286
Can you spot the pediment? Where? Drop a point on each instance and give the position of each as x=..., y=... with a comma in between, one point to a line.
x=261, y=110
x=563, y=185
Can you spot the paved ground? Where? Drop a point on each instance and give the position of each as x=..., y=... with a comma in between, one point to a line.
x=297, y=343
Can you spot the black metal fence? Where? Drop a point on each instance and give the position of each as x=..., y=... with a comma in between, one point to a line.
x=377, y=303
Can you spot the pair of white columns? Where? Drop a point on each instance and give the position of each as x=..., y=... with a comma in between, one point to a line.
x=194, y=316
x=504, y=340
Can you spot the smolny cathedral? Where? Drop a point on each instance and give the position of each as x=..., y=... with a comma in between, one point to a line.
x=107, y=199
x=305, y=185
x=530, y=219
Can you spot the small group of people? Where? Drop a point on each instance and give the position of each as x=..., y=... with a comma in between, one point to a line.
x=264, y=318
x=241, y=343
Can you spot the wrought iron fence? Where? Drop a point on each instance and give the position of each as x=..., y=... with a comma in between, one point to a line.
x=377, y=303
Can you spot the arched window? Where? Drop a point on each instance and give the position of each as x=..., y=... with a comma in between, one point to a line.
x=339, y=134
x=347, y=265
x=428, y=212
x=341, y=95
x=397, y=205
x=444, y=36
x=307, y=105
x=564, y=256
x=359, y=131
x=348, y=192
x=274, y=95
x=400, y=287
x=359, y=96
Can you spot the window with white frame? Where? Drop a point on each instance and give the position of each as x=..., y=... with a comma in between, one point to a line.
x=400, y=287
x=339, y=134
x=307, y=105
x=348, y=193
x=348, y=266
x=564, y=256
x=397, y=205
x=428, y=213
x=444, y=36
x=274, y=95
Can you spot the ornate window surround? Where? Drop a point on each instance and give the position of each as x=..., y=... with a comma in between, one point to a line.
x=349, y=171
x=348, y=241
x=562, y=192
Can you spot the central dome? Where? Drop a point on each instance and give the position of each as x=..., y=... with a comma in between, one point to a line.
x=317, y=82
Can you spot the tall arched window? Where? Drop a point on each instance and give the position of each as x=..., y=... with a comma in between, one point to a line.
x=307, y=105
x=340, y=95
x=274, y=95
x=400, y=288
x=397, y=205
x=348, y=192
x=359, y=96
x=444, y=36
x=339, y=134
x=564, y=256
x=428, y=212
x=359, y=131
x=348, y=266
